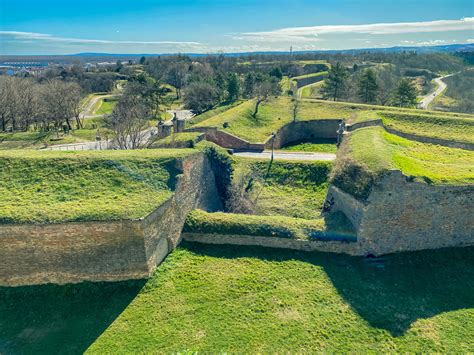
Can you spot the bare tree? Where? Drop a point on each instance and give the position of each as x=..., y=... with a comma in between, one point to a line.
x=176, y=75
x=127, y=121
x=295, y=109
x=263, y=90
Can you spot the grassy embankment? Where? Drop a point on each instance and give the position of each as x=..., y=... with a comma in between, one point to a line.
x=177, y=140
x=47, y=187
x=216, y=299
x=277, y=112
x=293, y=189
x=369, y=152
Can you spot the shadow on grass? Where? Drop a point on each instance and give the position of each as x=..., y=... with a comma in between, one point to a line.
x=389, y=293
x=60, y=319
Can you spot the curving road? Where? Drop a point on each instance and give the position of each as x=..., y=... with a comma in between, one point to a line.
x=428, y=99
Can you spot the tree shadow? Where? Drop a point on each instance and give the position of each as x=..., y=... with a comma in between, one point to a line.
x=60, y=319
x=391, y=292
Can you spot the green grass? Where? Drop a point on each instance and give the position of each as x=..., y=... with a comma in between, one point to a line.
x=106, y=107
x=294, y=189
x=52, y=186
x=268, y=226
x=449, y=128
x=272, y=115
x=369, y=152
x=215, y=111
x=35, y=140
x=216, y=299
x=178, y=140
x=320, y=145
x=277, y=112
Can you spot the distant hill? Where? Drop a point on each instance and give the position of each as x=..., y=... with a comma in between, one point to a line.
x=95, y=57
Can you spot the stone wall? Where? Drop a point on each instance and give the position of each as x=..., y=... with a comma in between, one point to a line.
x=105, y=251
x=333, y=246
x=305, y=130
x=227, y=140
x=403, y=215
x=309, y=80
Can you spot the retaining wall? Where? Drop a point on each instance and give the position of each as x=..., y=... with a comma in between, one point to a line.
x=105, y=251
x=347, y=247
x=227, y=140
x=304, y=130
x=403, y=215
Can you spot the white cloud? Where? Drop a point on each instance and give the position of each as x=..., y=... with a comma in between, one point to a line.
x=306, y=34
x=31, y=36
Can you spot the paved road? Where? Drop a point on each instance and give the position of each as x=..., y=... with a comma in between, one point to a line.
x=87, y=112
x=182, y=114
x=428, y=99
x=279, y=155
x=102, y=145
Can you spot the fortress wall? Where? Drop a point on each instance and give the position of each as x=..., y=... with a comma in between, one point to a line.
x=71, y=252
x=351, y=248
x=310, y=80
x=105, y=251
x=305, y=130
x=196, y=188
x=402, y=215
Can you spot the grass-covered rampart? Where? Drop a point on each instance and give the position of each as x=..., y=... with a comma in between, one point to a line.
x=368, y=153
x=51, y=186
x=277, y=112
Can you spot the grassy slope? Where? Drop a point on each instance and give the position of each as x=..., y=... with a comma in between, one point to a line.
x=234, y=299
x=277, y=112
x=215, y=111
x=369, y=152
x=458, y=129
x=313, y=145
x=380, y=150
x=294, y=189
x=184, y=139
x=43, y=187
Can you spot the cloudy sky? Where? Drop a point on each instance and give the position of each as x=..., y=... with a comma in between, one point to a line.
x=205, y=26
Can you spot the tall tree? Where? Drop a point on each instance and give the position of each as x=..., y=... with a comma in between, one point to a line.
x=176, y=75
x=368, y=87
x=406, y=93
x=334, y=86
x=200, y=96
x=233, y=87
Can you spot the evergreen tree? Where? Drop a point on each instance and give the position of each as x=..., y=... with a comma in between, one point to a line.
x=368, y=87
x=277, y=73
x=233, y=87
x=334, y=85
x=406, y=93
x=249, y=83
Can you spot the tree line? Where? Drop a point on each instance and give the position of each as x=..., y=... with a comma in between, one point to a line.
x=50, y=105
x=385, y=86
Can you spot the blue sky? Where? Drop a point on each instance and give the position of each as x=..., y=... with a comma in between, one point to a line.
x=205, y=26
